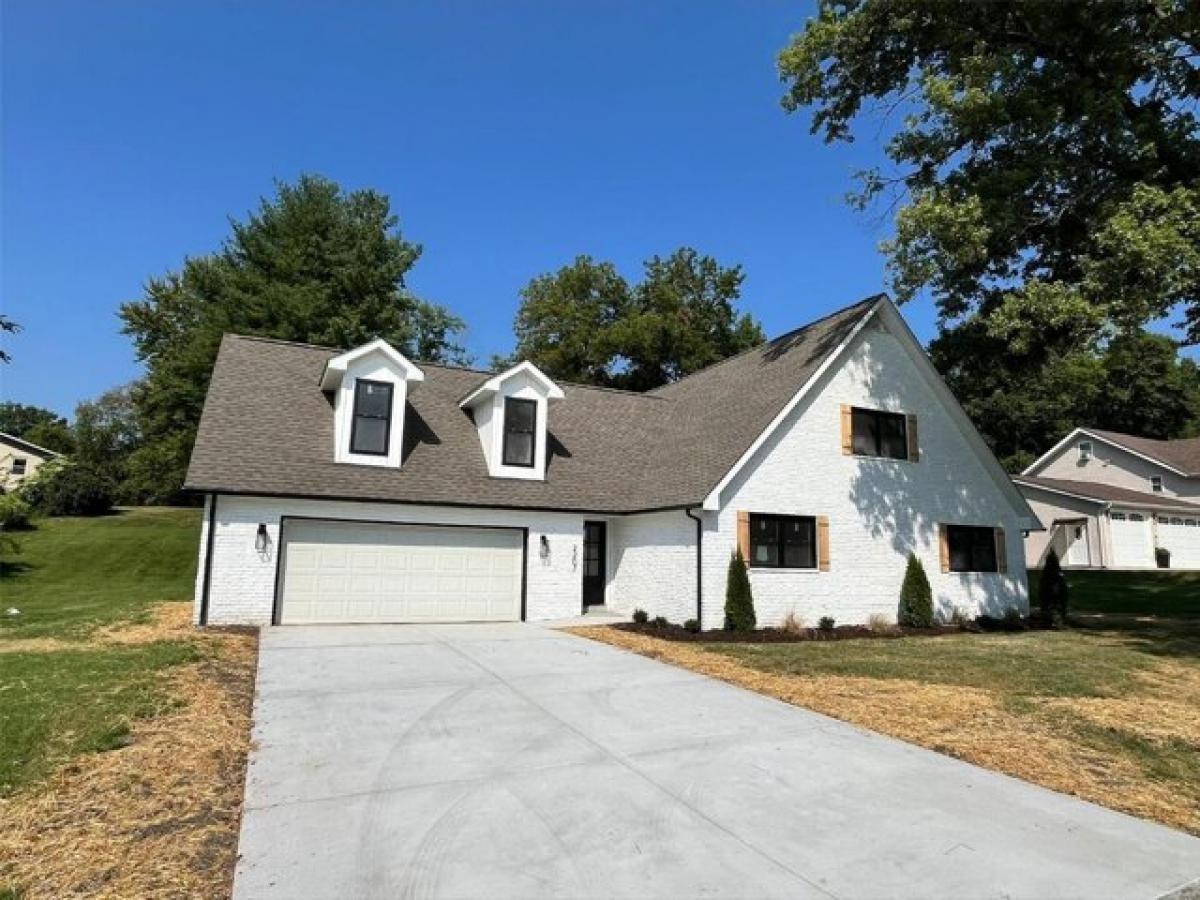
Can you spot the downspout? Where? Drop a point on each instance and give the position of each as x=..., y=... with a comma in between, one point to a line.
x=699, y=566
x=208, y=556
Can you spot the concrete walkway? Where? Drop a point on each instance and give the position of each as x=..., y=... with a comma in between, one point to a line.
x=515, y=761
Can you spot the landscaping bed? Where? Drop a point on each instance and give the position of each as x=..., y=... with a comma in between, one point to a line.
x=672, y=632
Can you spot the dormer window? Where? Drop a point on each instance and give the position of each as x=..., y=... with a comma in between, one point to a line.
x=1156, y=484
x=520, y=431
x=1085, y=451
x=370, y=432
x=370, y=386
x=511, y=412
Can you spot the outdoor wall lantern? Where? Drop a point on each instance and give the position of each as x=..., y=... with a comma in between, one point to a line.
x=544, y=550
x=261, y=538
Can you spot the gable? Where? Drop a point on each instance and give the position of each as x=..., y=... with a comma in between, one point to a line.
x=1110, y=463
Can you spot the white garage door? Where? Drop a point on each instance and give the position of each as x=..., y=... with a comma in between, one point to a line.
x=1132, y=541
x=349, y=572
x=1181, y=535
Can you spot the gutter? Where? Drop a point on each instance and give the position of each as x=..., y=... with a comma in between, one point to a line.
x=202, y=619
x=699, y=565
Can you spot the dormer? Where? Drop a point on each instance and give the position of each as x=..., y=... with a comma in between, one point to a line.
x=511, y=411
x=370, y=387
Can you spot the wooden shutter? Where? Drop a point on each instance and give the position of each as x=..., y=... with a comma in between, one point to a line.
x=914, y=440
x=944, y=547
x=1001, y=550
x=743, y=534
x=823, y=543
x=847, y=431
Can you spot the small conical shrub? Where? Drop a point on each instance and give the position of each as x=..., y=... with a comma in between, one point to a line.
x=916, y=597
x=739, y=602
x=1052, y=591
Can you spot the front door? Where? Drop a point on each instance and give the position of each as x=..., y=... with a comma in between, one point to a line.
x=594, y=539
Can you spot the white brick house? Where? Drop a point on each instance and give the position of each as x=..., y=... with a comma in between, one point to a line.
x=360, y=487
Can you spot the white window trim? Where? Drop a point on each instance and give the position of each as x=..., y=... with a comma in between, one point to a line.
x=1156, y=484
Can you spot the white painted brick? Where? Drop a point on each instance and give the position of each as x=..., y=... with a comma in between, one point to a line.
x=243, y=580
x=654, y=565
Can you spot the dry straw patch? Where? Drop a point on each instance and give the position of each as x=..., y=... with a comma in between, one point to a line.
x=967, y=723
x=159, y=817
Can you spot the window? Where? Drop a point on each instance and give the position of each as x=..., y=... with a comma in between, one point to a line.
x=1176, y=521
x=520, y=422
x=1118, y=517
x=878, y=433
x=371, y=431
x=1190, y=523
x=1156, y=483
x=972, y=549
x=18, y=466
x=783, y=542
x=1085, y=450
x=1136, y=517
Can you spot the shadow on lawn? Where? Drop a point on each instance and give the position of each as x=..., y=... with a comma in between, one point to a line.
x=1155, y=635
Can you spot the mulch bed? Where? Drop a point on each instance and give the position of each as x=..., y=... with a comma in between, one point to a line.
x=680, y=634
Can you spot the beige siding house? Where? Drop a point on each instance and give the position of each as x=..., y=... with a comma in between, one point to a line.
x=19, y=459
x=1116, y=501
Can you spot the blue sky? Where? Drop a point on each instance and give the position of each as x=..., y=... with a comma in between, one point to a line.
x=510, y=137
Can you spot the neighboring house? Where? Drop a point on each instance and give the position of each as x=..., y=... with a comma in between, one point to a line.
x=19, y=459
x=360, y=487
x=1109, y=500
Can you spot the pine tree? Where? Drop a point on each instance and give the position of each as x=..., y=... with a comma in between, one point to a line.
x=1052, y=591
x=916, y=597
x=739, y=601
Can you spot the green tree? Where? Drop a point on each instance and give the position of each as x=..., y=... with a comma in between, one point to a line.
x=1053, y=593
x=107, y=433
x=312, y=264
x=37, y=425
x=587, y=323
x=1046, y=166
x=739, y=600
x=916, y=597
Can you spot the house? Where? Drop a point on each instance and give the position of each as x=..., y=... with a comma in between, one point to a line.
x=19, y=459
x=1111, y=500
x=359, y=486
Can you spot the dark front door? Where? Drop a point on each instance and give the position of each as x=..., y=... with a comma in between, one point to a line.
x=594, y=539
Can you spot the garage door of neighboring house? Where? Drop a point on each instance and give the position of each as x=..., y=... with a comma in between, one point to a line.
x=366, y=572
x=1132, y=540
x=1181, y=535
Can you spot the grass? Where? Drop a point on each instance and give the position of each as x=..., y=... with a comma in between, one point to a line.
x=63, y=695
x=1108, y=709
x=75, y=574
x=123, y=730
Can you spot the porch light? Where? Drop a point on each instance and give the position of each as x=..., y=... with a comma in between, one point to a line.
x=544, y=551
x=261, y=539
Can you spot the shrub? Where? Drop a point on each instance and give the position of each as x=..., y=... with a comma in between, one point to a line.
x=15, y=513
x=880, y=623
x=1052, y=591
x=794, y=623
x=692, y=625
x=1012, y=619
x=959, y=617
x=660, y=622
x=71, y=489
x=739, y=602
x=640, y=616
x=916, y=597
x=826, y=623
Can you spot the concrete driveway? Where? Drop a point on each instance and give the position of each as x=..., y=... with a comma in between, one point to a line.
x=515, y=761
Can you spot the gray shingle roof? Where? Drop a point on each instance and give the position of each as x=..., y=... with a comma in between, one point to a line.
x=268, y=429
x=1182, y=454
x=1106, y=493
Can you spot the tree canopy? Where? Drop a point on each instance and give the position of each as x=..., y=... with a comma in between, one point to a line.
x=586, y=323
x=1046, y=166
x=43, y=427
x=312, y=264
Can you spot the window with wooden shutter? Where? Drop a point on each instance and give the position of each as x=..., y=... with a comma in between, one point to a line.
x=823, y=543
x=914, y=442
x=1001, y=551
x=847, y=430
x=944, y=547
x=743, y=534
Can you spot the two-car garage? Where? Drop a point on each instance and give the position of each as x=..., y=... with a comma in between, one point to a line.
x=362, y=572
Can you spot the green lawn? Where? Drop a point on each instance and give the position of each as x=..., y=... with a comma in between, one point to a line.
x=1156, y=593
x=70, y=577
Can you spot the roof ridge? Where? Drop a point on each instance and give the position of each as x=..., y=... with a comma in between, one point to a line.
x=271, y=340
x=874, y=298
